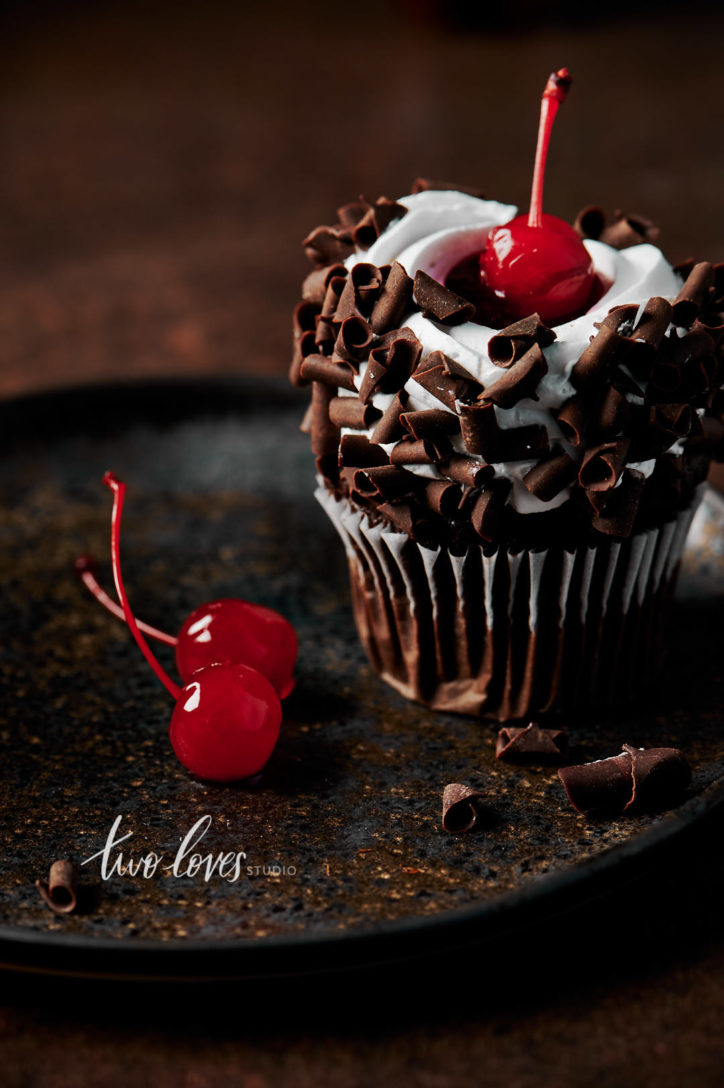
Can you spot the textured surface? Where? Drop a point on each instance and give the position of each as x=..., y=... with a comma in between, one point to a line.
x=351, y=798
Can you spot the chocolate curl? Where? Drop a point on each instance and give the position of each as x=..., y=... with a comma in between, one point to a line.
x=515, y=340
x=460, y=808
x=327, y=245
x=350, y=214
x=613, y=413
x=353, y=340
x=602, y=465
x=629, y=230
x=443, y=497
x=335, y=288
x=483, y=436
x=601, y=788
x=60, y=892
x=697, y=344
x=406, y=519
x=665, y=424
x=390, y=366
x=306, y=425
x=356, y=451
x=573, y=419
x=590, y=221
x=606, y=348
x=531, y=744
x=376, y=218
x=520, y=380
x=324, y=433
x=390, y=429
x=439, y=302
x=421, y=451
x=444, y=379
x=318, y=368
x=386, y=483
x=546, y=479
x=486, y=516
x=352, y=413
x=395, y=300
x=315, y=285
x=694, y=295
x=303, y=345
x=467, y=471
x=653, y=323
x=713, y=323
x=616, y=513
x=430, y=423
x=422, y=185
x=660, y=776
x=360, y=292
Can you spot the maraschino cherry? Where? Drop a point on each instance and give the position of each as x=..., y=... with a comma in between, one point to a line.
x=223, y=630
x=537, y=263
x=226, y=719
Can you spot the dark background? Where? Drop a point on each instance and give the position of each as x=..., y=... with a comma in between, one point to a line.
x=159, y=166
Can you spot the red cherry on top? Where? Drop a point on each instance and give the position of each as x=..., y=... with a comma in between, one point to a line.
x=226, y=719
x=537, y=263
x=225, y=630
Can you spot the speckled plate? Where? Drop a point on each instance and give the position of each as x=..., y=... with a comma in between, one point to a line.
x=345, y=861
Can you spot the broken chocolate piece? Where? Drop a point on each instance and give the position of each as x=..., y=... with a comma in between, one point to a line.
x=60, y=892
x=460, y=808
x=531, y=744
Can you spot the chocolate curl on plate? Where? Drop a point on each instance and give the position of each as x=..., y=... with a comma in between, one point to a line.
x=376, y=218
x=606, y=348
x=629, y=230
x=644, y=778
x=384, y=483
x=615, y=511
x=520, y=380
x=390, y=429
x=390, y=366
x=443, y=497
x=445, y=379
x=315, y=285
x=350, y=412
x=546, y=479
x=353, y=340
x=516, y=339
x=421, y=451
x=531, y=744
x=460, y=808
x=324, y=433
x=695, y=293
x=660, y=776
x=319, y=368
x=430, y=423
x=603, y=465
x=466, y=471
x=573, y=420
x=439, y=302
x=483, y=436
x=422, y=185
x=394, y=301
x=653, y=323
x=488, y=509
x=327, y=245
x=360, y=293
x=60, y=892
x=590, y=221
x=356, y=451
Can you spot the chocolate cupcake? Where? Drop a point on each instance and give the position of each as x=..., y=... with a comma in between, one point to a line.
x=512, y=461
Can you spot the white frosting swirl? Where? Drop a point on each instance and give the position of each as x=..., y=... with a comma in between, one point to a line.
x=439, y=230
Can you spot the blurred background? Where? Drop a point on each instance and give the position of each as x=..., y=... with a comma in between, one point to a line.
x=162, y=162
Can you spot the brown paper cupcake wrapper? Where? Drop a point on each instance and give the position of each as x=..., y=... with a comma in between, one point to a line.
x=508, y=635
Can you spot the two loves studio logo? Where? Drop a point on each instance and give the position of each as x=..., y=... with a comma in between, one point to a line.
x=189, y=861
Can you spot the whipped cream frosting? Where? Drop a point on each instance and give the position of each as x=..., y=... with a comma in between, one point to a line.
x=440, y=229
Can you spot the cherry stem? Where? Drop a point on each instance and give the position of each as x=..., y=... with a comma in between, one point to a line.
x=86, y=568
x=554, y=94
x=119, y=493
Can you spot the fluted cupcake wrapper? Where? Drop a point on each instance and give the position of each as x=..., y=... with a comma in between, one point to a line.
x=505, y=634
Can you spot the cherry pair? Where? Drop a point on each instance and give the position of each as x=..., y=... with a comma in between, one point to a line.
x=235, y=659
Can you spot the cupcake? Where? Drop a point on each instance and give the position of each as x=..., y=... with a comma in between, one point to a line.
x=511, y=458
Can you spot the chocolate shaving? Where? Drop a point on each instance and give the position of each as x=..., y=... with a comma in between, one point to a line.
x=439, y=302
x=353, y=340
x=324, y=433
x=360, y=293
x=694, y=294
x=377, y=217
x=613, y=413
x=356, y=451
x=590, y=221
x=546, y=479
x=395, y=300
x=653, y=323
x=352, y=413
x=460, y=808
x=390, y=429
x=318, y=368
x=443, y=497
x=531, y=744
x=430, y=423
x=616, y=512
x=644, y=778
x=572, y=419
x=520, y=380
x=515, y=340
x=326, y=245
x=60, y=891
x=390, y=366
x=315, y=285
x=483, y=436
x=467, y=471
x=304, y=345
x=606, y=348
x=421, y=185
x=421, y=451
x=407, y=519
x=488, y=510
x=445, y=379
x=629, y=230
x=603, y=465
x=388, y=482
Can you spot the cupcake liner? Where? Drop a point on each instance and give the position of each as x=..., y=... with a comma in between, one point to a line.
x=505, y=634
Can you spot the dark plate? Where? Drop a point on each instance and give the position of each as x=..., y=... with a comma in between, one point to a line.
x=348, y=809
